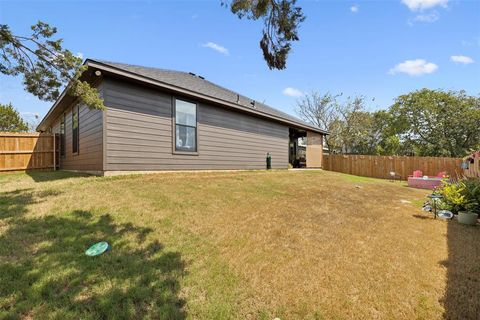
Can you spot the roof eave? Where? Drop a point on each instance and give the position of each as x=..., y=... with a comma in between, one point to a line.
x=114, y=70
x=62, y=96
x=50, y=111
x=108, y=68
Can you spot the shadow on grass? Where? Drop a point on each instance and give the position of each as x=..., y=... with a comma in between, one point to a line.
x=462, y=296
x=13, y=204
x=42, y=176
x=44, y=272
x=423, y=217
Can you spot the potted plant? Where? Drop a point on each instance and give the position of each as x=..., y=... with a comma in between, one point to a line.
x=471, y=202
x=462, y=197
x=467, y=217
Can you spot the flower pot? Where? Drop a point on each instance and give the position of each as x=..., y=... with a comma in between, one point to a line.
x=469, y=218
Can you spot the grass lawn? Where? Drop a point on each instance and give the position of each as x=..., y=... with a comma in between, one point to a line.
x=243, y=245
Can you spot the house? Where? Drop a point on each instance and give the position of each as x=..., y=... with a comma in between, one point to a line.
x=158, y=120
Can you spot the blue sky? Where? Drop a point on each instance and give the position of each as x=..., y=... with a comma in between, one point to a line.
x=380, y=49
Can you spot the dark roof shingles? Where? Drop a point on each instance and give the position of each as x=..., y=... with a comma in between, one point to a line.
x=194, y=83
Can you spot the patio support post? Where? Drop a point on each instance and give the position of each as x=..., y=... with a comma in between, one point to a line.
x=314, y=150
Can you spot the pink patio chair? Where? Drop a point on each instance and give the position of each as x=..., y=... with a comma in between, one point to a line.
x=417, y=174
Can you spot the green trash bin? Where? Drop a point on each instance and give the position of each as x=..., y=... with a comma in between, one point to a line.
x=269, y=161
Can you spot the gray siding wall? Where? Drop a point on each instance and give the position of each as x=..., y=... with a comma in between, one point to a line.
x=139, y=134
x=90, y=154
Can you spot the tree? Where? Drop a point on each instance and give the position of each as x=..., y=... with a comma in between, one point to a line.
x=349, y=127
x=361, y=135
x=384, y=134
x=438, y=123
x=45, y=65
x=281, y=19
x=322, y=111
x=10, y=119
x=355, y=123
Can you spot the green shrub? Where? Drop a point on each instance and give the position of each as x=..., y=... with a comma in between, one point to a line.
x=472, y=195
x=462, y=195
x=453, y=198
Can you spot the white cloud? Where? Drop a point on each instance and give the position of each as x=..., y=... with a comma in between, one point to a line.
x=292, y=92
x=462, y=59
x=216, y=47
x=354, y=8
x=418, y=5
x=427, y=18
x=415, y=67
x=79, y=55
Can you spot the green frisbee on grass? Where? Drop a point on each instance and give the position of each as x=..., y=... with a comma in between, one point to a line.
x=97, y=249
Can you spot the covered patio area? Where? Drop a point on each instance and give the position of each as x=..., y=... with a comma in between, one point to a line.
x=305, y=149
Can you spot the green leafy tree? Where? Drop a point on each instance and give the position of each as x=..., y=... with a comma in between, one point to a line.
x=46, y=67
x=281, y=20
x=384, y=134
x=374, y=133
x=10, y=119
x=438, y=123
x=363, y=138
x=335, y=138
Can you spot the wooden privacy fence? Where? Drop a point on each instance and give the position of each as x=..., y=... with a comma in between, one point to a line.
x=27, y=151
x=381, y=166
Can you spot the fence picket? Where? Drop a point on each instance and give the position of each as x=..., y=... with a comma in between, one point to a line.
x=25, y=151
x=380, y=166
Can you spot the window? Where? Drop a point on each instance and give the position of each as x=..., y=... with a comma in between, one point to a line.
x=62, y=137
x=75, y=135
x=185, y=126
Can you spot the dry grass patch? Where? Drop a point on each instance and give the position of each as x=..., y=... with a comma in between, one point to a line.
x=294, y=245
